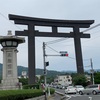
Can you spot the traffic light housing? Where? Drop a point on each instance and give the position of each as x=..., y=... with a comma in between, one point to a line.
x=47, y=63
x=66, y=54
x=63, y=53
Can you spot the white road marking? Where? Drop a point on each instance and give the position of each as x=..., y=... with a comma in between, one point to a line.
x=69, y=96
x=90, y=98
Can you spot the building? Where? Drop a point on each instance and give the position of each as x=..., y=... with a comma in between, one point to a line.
x=24, y=74
x=63, y=80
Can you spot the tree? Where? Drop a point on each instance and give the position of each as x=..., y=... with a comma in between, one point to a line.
x=79, y=79
x=24, y=81
x=97, y=78
x=41, y=79
x=50, y=80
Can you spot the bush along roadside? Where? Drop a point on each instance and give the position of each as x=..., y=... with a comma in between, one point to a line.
x=52, y=91
x=22, y=94
x=32, y=86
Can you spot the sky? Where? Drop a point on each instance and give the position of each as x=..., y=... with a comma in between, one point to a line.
x=54, y=9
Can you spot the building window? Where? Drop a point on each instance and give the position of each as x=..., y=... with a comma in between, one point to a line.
x=69, y=80
x=67, y=77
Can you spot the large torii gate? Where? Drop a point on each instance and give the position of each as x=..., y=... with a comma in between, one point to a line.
x=31, y=22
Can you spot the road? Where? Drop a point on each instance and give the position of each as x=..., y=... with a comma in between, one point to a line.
x=83, y=97
x=79, y=97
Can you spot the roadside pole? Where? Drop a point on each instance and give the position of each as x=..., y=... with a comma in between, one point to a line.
x=44, y=69
x=62, y=53
x=92, y=70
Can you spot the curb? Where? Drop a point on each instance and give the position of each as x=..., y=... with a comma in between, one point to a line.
x=51, y=96
x=62, y=94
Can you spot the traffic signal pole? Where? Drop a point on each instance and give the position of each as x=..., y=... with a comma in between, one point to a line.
x=92, y=71
x=44, y=69
x=62, y=53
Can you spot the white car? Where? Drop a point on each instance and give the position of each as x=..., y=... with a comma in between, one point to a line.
x=70, y=89
x=79, y=88
x=91, y=89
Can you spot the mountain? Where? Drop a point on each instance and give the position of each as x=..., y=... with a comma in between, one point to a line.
x=50, y=73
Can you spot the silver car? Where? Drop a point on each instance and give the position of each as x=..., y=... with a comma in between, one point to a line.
x=70, y=89
x=91, y=89
x=79, y=88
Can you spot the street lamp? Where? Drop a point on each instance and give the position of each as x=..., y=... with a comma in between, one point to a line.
x=9, y=75
x=9, y=43
x=10, y=40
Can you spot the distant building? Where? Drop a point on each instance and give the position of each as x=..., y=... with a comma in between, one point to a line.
x=63, y=80
x=23, y=74
x=38, y=76
x=88, y=78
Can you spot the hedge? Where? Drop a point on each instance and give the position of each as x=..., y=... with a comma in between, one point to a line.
x=52, y=91
x=32, y=86
x=19, y=94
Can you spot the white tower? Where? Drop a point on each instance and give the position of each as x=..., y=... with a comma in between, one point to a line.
x=9, y=44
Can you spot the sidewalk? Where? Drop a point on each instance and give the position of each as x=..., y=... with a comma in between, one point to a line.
x=55, y=96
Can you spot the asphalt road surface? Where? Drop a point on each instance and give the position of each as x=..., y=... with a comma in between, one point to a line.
x=80, y=97
x=83, y=97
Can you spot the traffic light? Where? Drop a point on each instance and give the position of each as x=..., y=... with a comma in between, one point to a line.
x=66, y=54
x=45, y=72
x=47, y=63
x=63, y=53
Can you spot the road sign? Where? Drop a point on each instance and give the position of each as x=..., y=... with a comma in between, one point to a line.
x=63, y=52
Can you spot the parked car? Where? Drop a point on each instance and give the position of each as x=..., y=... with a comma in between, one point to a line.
x=79, y=88
x=70, y=89
x=91, y=89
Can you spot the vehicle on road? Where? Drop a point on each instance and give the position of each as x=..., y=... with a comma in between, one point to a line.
x=70, y=89
x=79, y=88
x=91, y=89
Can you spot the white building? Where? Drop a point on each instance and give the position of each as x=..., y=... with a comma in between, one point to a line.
x=63, y=80
x=24, y=74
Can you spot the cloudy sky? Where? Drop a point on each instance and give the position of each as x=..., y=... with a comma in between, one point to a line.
x=54, y=9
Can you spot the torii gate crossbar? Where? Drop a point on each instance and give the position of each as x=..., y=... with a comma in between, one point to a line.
x=31, y=22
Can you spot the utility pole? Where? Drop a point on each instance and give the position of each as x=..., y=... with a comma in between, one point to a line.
x=45, y=71
x=92, y=70
x=62, y=53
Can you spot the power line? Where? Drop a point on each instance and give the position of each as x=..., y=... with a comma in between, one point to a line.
x=62, y=39
x=91, y=28
x=52, y=49
x=9, y=20
x=58, y=52
x=57, y=40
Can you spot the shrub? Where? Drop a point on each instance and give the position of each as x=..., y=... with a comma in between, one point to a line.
x=19, y=94
x=52, y=91
x=32, y=86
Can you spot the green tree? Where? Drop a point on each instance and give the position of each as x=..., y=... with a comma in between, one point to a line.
x=42, y=79
x=24, y=81
x=50, y=80
x=97, y=78
x=79, y=79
